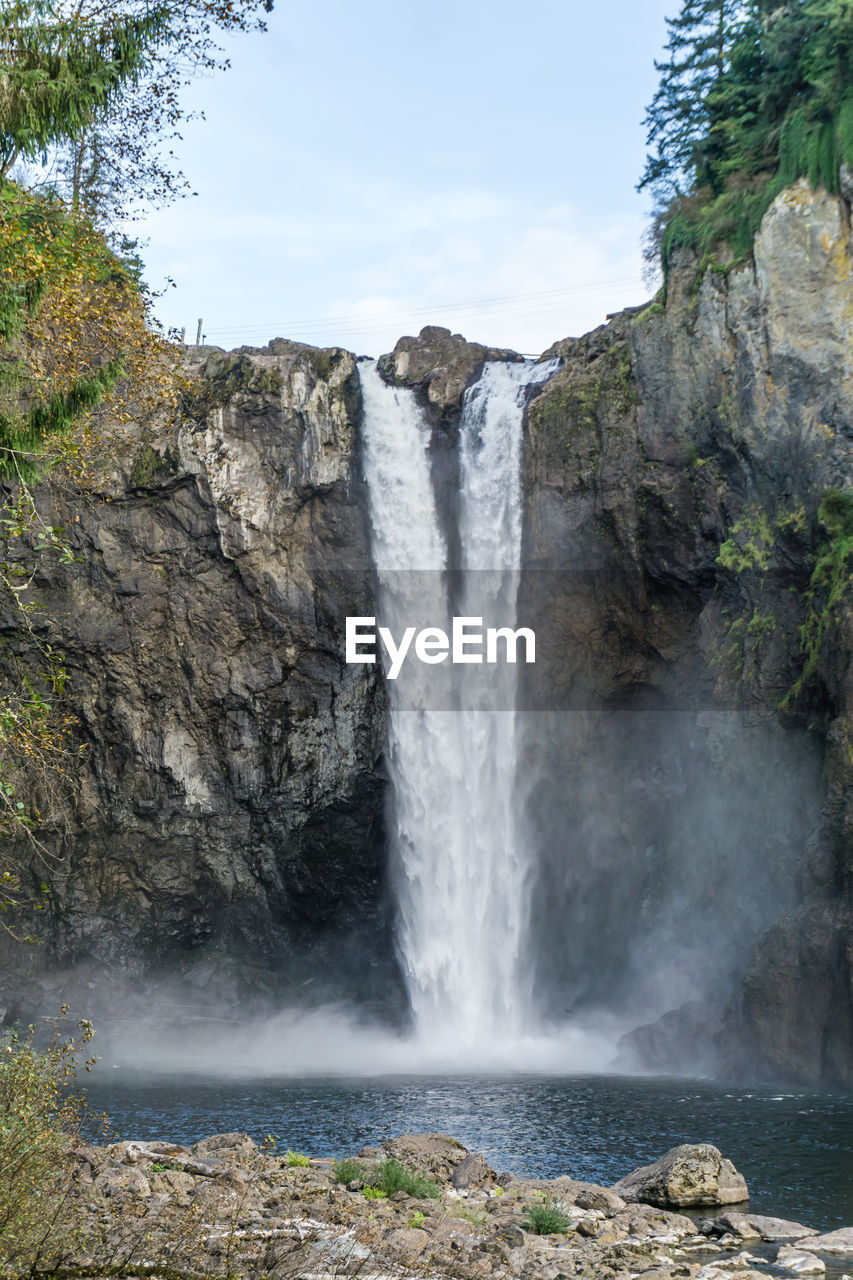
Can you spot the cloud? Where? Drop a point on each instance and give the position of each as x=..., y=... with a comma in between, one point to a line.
x=513, y=282
x=365, y=260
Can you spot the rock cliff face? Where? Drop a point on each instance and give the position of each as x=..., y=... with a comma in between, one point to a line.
x=684, y=465
x=227, y=835
x=688, y=724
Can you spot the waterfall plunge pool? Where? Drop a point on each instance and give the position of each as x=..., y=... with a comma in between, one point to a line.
x=793, y=1146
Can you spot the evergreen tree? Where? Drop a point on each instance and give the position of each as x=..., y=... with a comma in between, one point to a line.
x=682, y=114
x=754, y=95
x=58, y=73
x=91, y=88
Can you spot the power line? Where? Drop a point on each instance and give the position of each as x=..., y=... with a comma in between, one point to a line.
x=530, y=303
x=370, y=327
x=380, y=319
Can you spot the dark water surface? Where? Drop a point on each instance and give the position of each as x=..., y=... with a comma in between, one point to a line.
x=794, y=1148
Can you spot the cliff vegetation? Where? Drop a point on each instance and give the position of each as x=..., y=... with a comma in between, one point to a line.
x=752, y=97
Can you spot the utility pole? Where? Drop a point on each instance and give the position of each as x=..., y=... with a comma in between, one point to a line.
x=198, y=335
x=184, y=335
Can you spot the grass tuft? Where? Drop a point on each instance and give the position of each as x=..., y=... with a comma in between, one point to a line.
x=392, y=1176
x=386, y=1179
x=348, y=1170
x=546, y=1219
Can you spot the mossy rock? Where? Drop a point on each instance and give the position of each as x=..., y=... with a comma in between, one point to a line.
x=151, y=468
x=584, y=395
x=226, y=376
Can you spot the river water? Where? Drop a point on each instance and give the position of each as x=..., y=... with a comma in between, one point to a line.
x=794, y=1147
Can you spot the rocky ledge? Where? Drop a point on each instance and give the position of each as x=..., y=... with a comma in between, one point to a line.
x=441, y=364
x=228, y=1207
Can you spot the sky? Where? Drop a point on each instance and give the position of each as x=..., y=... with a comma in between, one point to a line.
x=366, y=169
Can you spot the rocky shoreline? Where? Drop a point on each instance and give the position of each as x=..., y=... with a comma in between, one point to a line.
x=228, y=1207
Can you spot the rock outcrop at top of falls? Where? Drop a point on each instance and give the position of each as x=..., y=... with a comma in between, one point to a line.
x=685, y=472
x=439, y=363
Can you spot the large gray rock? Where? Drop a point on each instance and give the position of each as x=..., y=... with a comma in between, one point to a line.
x=590, y=1196
x=648, y=1222
x=682, y=1041
x=433, y=1154
x=471, y=1171
x=440, y=363
x=686, y=1176
x=796, y=1003
x=117, y=1182
x=799, y=1261
x=756, y=1226
x=838, y=1243
x=235, y=1145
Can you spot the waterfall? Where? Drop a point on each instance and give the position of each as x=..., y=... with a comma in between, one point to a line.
x=461, y=860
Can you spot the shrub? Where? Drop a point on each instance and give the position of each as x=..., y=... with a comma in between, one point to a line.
x=297, y=1160
x=40, y=1116
x=830, y=585
x=546, y=1219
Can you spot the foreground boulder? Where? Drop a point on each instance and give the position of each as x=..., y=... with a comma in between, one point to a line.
x=838, y=1242
x=687, y=1175
x=799, y=1261
x=432, y=1154
x=756, y=1226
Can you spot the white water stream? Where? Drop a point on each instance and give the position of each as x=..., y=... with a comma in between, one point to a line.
x=461, y=860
